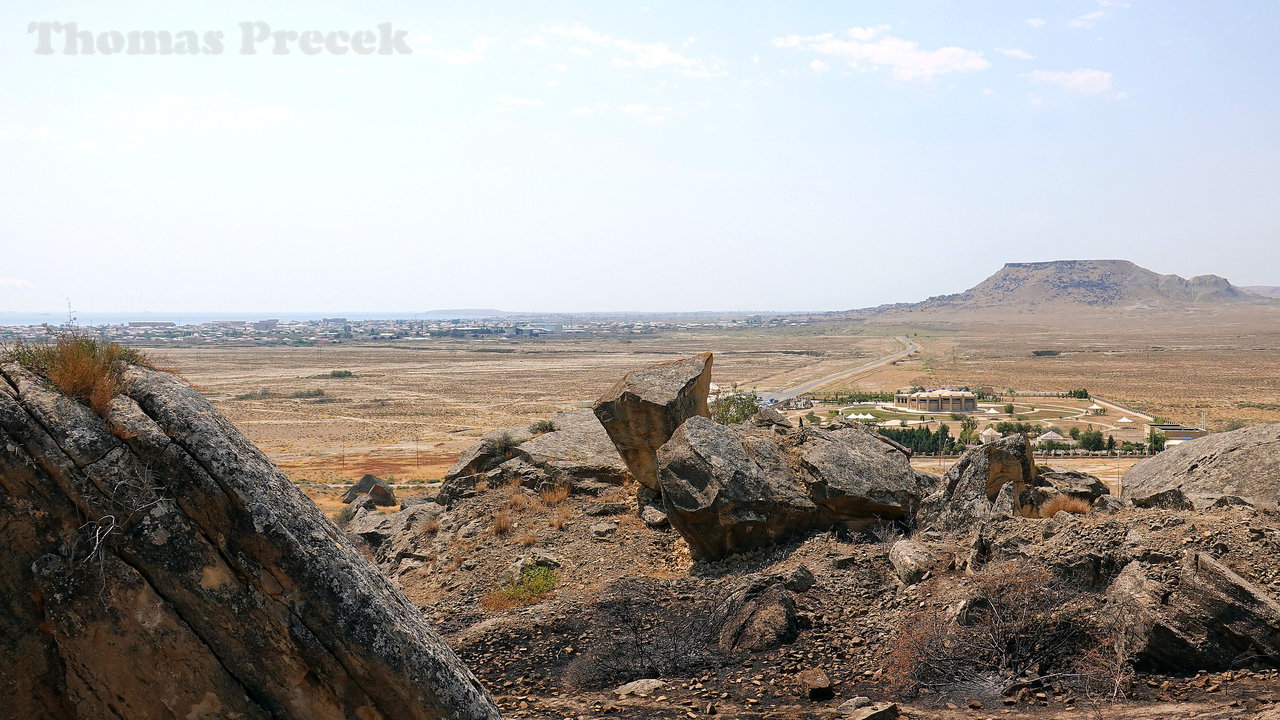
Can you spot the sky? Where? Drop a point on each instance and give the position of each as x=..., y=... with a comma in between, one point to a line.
x=652, y=156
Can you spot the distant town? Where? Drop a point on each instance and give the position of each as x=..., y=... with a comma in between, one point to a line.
x=324, y=331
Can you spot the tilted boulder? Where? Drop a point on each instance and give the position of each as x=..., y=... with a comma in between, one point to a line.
x=760, y=614
x=645, y=407
x=577, y=454
x=971, y=488
x=912, y=560
x=1245, y=463
x=729, y=489
x=156, y=564
x=1205, y=618
x=375, y=487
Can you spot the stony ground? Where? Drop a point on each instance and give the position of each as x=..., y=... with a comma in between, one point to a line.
x=525, y=654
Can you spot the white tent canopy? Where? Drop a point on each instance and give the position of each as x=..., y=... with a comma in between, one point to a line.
x=992, y=411
x=1124, y=420
x=1096, y=406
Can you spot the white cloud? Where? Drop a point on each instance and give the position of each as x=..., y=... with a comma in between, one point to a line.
x=553, y=83
x=1085, y=80
x=15, y=283
x=988, y=91
x=535, y=41
x=1087, y=20
x=871, y=46
x=559, y=66
x=1037, y=22
x=819, y=66
x=1016, y=53
x=456, y=56
x=519, y=101
x=640, y=54
x=579, y=51
x=644, y=112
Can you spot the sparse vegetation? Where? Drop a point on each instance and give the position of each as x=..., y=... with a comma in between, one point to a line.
x=735, y=408
x=502, y=523
x=534, y=585
x=311, y=393
x=85, y=369
x=1058, y=503
x=341, y=374
x=554, y=494
x=261, y=394
x=539, y=427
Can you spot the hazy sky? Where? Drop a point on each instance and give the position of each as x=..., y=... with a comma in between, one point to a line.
x=650, y=155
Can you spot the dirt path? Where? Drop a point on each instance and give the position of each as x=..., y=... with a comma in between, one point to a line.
x=791, y=392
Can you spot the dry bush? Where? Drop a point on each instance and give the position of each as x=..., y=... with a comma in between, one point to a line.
x=640, y=632
x=1019, y=621
x=518, y=500
x=554, y=495
x=83, y=368
x=1058, y=503
x=431, y=527
x=526, y=539
x=560, y=519
x=501, y=523
x=481, y=486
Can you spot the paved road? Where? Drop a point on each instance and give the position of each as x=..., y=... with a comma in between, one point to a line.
x=814, y=384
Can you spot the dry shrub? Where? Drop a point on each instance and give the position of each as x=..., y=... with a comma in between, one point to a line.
x=501, y=523
x=1058, y=503
x=554, y=495
x=560, y=519
x=526, y=539
x=83, y=368
x=431, y=527
x=481, y=486
x=1019, y=620
x=518, y=500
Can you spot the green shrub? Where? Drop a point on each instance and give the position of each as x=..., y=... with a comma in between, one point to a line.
x=542, y=426
x=341, y=374
x=532, y=586
x=312, y=393
x=736, y=408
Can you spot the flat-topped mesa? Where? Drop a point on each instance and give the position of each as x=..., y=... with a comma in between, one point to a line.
x=643, y=410
x=156, y=564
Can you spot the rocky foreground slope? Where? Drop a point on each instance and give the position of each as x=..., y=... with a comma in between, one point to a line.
x=156, y=565
x=810, y=573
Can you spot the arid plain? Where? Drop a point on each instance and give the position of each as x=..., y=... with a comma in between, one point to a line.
x=411, y=406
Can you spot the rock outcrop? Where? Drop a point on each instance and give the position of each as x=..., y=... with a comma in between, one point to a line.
x=1206, y=617
x=972, y=488
x=375, y=487
x=729, y=489
x=577, y=454
x=156, y=564
x=645, y=407
x=1245, y=463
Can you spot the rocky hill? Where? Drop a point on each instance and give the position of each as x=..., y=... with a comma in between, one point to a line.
x=1082, y=285
x=1271, y=291
x=155, y=564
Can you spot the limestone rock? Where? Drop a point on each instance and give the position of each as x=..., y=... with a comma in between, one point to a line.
x=645, y=407
x=759, y=615
x=640, y=688
x=971, y=488
x=815, y=683
x=375, y=487
x=876, y=711
x=1210, y=618
x=1243, y=462
x=912, y=560
x=729, y=489
x=156, y=564
x=577, y=454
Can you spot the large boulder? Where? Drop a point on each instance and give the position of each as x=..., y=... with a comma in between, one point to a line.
x=375, y=487
x=1245, y=463
x=971, y=489
x=1205, y=617
x=577, y=454
x=729, y=489
x=156, y=564
x=645, y=407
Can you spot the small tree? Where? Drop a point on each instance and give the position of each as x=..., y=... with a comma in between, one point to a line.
x=1009, y=409
x=736, y=408
x=1156, y=440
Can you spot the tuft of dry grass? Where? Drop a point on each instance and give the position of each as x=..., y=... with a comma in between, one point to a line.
x=518, y=500
x=501, y=523
x=560, y=519
x=1058, y=503
x=554, y=495
x=526, y=539
x=431, y=527
x=482, y=486
x=82, y=368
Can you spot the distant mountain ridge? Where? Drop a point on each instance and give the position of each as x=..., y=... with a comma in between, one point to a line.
x=1270, y=291
x=1063, y=285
